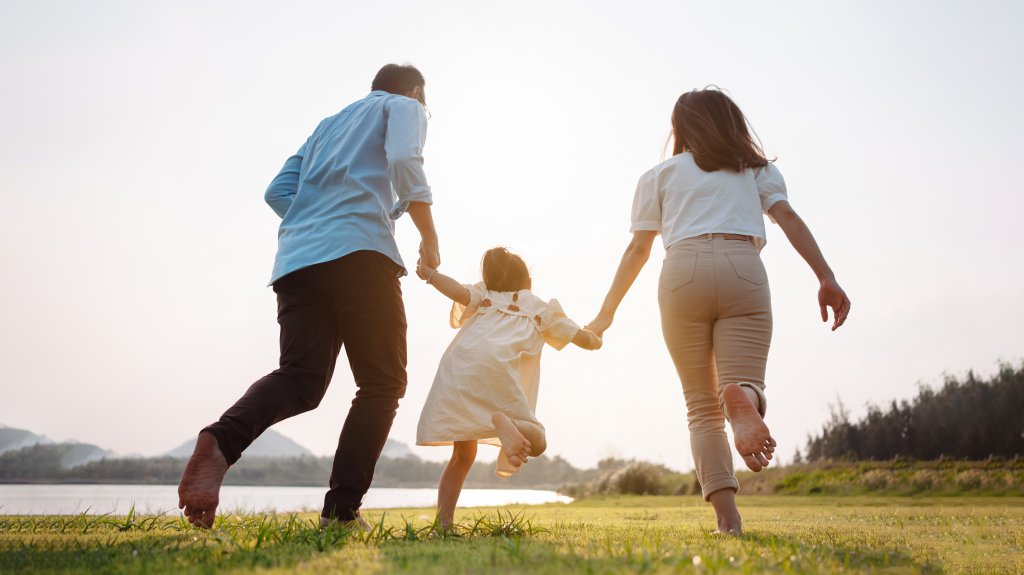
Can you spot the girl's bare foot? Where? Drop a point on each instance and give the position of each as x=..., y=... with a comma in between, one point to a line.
x=513, y=443
x=753, y=440
x=199, y=490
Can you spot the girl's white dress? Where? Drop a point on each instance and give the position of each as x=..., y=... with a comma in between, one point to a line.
x=493, y=364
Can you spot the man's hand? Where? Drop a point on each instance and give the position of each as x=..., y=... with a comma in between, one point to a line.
x=830, y=295
x=430, y=255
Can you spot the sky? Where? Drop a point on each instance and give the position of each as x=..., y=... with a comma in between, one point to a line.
x=137, y=138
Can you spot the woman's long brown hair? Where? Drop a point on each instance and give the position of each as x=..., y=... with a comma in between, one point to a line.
x=709, y=125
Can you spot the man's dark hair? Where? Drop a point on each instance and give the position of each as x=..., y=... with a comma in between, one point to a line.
x=398, y=79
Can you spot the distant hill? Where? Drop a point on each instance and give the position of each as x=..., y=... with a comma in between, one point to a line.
x=396, y=450
x=275, y=444
x=270, y=444
x=29, y=457
x=23, y=445
x=48, y=460
x=12, y=438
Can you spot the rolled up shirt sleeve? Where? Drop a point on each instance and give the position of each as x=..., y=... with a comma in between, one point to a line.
x=283, y=188
x=646, y=205
x=403, y=145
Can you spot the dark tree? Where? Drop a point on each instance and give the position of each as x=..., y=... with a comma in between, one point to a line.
x=966, y=418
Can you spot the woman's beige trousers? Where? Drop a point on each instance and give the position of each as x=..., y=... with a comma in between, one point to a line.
x=716, y=316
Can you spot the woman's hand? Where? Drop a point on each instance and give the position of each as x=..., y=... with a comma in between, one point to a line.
x=600, y=324
x=830, y=295
x=633, y=260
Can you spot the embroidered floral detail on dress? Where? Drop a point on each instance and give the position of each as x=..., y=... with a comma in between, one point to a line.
x=485, y=303
x=515, y=296
x=537, y=319
x=513, y=307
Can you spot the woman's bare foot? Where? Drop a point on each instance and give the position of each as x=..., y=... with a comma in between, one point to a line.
x=724, y=502
x=513, y=443
x=199, y=490
x=750, y=434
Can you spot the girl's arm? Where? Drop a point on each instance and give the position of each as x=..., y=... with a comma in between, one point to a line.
x=633, y=260
x=830, y=295
x=450, y=288
x=587, y=339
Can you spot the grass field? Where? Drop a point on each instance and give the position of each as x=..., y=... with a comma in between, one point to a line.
x=784, y=534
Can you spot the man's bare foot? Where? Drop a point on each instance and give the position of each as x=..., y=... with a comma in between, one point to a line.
x=750, y=434
x=513, y=443
x=199, y=490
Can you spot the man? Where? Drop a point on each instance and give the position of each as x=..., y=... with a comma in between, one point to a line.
x=336, y=277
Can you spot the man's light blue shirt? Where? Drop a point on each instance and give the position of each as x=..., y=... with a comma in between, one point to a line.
x=345, y=187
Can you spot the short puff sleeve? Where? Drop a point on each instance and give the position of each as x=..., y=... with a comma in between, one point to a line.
x=461, y=313
x=646, y=205
x=770, y=186
x=557, y=329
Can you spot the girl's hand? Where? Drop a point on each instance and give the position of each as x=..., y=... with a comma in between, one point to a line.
x=600, y=324
x=424, y=272
x=830, y=295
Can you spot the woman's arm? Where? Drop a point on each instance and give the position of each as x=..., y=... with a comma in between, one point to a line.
x=830, y=295
x=587, y=339
x=633, y=260
x=450, y=288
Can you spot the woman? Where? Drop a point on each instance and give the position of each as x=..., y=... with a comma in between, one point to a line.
x=706, y=202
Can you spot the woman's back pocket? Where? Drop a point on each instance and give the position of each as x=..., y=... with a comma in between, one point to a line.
x=677, y=271
x=748, y=266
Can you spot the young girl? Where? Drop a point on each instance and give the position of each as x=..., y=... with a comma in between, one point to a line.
x=485, y=390
x=706, y=203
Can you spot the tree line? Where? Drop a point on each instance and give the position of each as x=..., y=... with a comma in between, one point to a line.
x=966, y=418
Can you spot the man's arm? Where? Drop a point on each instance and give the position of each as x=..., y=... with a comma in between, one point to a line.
x=282, y=189
x=430, y=252
x=404, y=139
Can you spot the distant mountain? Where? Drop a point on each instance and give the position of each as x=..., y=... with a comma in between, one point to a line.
x=270, y=444
x=71, y=454
x=275, y=444
x=75, y=454
x=12, y=438
x=396, y=450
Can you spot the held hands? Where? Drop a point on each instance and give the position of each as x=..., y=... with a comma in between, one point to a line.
x=430, y=256
x=424, y=272
x=830, y=295
x=600, y=324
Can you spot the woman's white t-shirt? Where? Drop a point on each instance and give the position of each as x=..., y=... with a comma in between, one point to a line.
x=679, y=200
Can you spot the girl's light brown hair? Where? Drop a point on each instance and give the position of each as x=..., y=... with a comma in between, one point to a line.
x=504, y=271
x=709, y=125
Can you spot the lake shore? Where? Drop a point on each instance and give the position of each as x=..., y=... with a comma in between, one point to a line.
x=163, y=499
